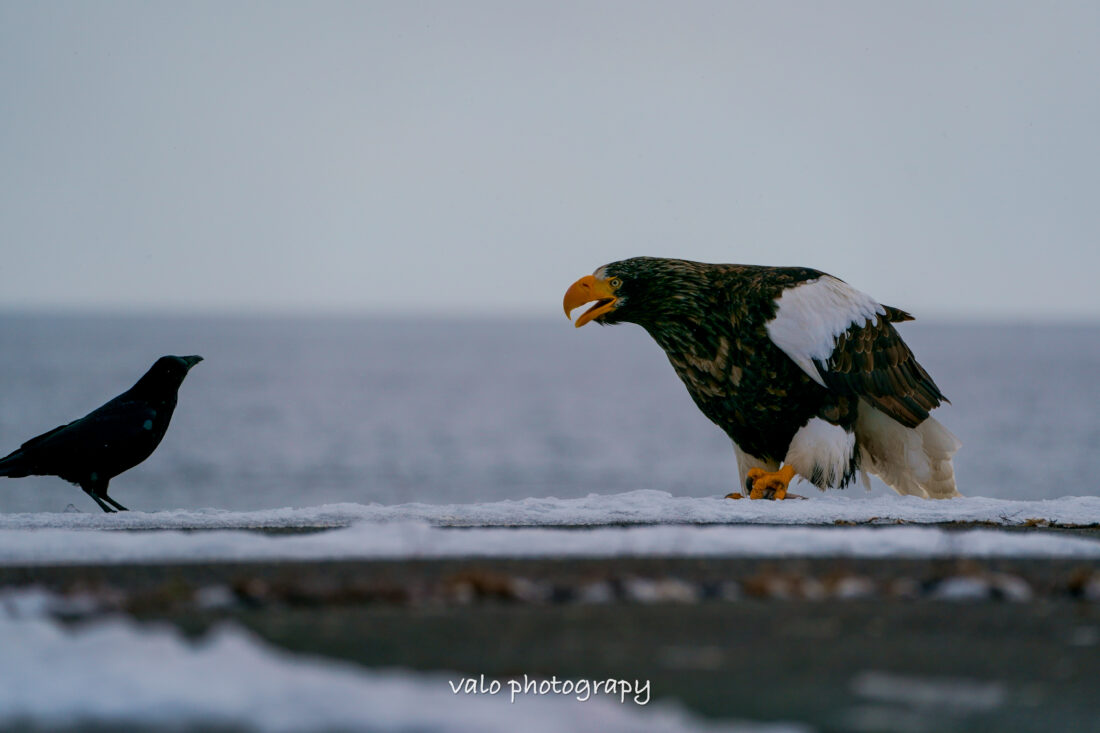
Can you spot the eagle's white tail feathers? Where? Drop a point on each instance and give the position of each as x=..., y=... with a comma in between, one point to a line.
x=914, y=461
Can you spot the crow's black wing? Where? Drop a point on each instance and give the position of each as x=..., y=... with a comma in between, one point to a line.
x=115, y=428
x=38, y=439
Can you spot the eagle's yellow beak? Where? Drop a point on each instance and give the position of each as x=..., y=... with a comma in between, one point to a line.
x=585, y=290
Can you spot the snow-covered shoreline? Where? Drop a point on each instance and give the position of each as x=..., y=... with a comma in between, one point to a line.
x=639, y=523
x=595, y=510
x=418, y=540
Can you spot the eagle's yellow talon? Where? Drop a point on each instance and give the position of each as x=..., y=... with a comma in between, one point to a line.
x=735, y=495
x=766, y=485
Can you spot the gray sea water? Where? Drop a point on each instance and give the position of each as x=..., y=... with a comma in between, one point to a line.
x=307, y=411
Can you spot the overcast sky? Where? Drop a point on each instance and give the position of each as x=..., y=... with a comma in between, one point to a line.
x=477, y=157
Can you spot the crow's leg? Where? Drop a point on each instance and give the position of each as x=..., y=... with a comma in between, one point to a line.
x=114, y=503
x=90, y=491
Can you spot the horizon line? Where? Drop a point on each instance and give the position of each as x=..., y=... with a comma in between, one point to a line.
x=230, y=313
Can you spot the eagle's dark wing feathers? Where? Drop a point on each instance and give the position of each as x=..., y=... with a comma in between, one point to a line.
x=872, y=361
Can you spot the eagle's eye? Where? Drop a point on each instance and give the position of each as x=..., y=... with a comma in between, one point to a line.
x=615, y=282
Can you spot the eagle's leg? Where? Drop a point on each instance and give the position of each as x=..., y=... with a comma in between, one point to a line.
x=763, y=484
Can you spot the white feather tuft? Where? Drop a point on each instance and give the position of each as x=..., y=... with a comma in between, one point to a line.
x=914, y=461
x=821, y=450
x=811, y=316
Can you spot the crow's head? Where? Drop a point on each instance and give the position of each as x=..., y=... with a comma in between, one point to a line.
x=166, y=375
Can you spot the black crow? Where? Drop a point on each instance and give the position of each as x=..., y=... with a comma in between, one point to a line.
x=91, y=451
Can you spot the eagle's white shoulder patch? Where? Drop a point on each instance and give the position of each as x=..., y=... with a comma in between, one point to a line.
x=812, y=314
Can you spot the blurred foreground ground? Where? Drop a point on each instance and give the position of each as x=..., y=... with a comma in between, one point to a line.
x=840, y=645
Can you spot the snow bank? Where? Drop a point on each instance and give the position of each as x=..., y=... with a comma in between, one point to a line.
x=117, y=672
x=635, y=523
x=420, y=540
x=632, y=508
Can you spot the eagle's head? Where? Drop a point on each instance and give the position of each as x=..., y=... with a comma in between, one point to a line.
x=642, y=290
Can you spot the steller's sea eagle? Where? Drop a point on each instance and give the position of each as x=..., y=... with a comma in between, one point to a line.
x=806, y=374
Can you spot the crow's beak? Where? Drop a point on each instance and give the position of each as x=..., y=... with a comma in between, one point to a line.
x=191, y=361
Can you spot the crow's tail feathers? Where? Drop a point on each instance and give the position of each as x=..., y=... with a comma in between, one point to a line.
x=13, y=465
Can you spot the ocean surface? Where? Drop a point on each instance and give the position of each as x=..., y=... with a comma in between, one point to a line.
x=298, y=412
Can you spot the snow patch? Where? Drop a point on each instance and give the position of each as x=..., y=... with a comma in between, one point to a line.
x=630, y=508
x=420, y=540
x=930, y=692
x=118, y=672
